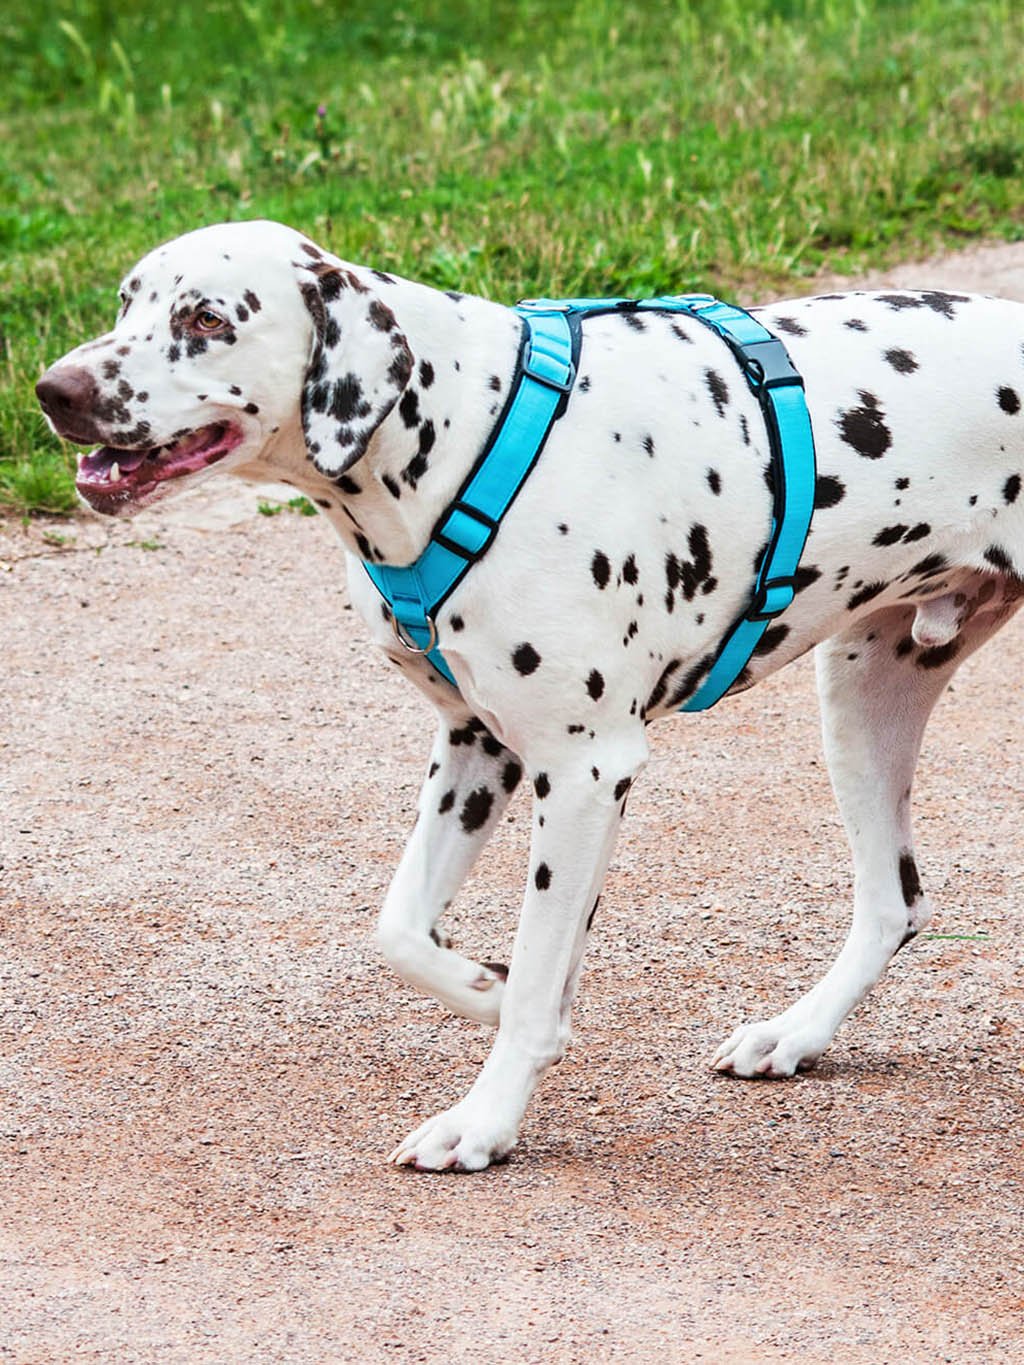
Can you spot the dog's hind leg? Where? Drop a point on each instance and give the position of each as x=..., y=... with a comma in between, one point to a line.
x=469, y=781
x=877, y=690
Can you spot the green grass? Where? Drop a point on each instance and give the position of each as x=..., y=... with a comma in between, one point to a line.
x=510, y=148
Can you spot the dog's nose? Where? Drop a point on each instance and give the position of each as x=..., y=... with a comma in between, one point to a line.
x=68, y=395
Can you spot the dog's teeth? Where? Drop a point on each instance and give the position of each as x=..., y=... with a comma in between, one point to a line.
x=114, y=473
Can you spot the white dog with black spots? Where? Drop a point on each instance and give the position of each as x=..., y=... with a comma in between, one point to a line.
x=629, y=552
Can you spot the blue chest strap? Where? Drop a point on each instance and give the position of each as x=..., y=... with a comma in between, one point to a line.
x=538, y=395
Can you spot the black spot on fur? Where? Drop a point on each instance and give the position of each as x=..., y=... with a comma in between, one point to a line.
x=828, y=490
x=1009, y=400
x=902, y=484
x=629, y=570
x=414, y=470
x=446, y=803
x=866, y=593
x=714, y=481
x=476, y=808
x=660, y=688
x=649, y=444
x=595, y=684
x=542, y=785
x=917, y=532
x=855, y=325
x=622, y=787
x=456, y=622
x=542, y=877
x=426, y=374
x=391, y=485
x=910, y=881
x=934, y=299
x=1011, y=488
x=771, y=639
x=718, y=389
x=864, y=427
x=526, y=659
x=929, y=566
x=938, y=655
x=510, y=775
x=691, y=681
x=409, y=407
x=635, y=321
x=381, y=316
x=889, y=535
x=999, y=559
x=790, y=326
x=600, y=568
x=901, y=361
x=347, y=401
x=805, y=575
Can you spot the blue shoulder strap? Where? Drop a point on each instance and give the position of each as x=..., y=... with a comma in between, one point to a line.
x=538, y=395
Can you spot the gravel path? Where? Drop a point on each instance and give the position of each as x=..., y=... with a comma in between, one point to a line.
x=206, y=778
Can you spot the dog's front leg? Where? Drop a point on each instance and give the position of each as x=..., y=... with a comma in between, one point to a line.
x=469, y=781
x=575, y=822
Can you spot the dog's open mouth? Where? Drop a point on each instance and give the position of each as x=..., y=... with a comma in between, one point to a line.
x=111, y=478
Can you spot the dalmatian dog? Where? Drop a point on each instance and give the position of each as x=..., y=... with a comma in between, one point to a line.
x=622, y=563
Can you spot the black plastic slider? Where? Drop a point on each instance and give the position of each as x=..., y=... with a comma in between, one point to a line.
x=768, y=365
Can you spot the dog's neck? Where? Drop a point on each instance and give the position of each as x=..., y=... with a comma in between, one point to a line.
x=386, y=505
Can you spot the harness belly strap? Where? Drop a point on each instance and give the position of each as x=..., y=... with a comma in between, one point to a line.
x=538, y=395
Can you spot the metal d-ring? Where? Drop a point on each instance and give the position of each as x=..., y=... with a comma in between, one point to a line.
x=409, y=643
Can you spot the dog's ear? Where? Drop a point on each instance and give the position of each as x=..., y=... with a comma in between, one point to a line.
x=359, y=365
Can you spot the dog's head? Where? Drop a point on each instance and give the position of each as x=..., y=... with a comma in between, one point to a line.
x=229, y=339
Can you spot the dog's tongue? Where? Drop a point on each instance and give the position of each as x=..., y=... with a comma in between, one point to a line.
x=100, y=461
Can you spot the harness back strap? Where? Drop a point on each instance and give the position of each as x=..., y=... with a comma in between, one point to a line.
x=538, y=395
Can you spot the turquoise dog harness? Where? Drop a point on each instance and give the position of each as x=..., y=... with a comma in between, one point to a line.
x=538, y=395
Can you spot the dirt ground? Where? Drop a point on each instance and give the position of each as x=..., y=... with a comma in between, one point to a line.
x=206, y=777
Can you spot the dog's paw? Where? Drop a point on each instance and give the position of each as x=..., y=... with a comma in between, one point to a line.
x=463, y=1138
x=771, y=1050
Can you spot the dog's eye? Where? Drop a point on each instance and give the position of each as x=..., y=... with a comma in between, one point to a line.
x=208, y=321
